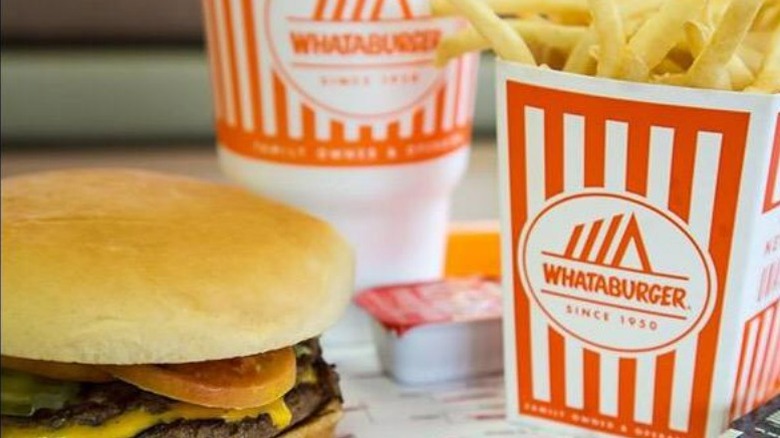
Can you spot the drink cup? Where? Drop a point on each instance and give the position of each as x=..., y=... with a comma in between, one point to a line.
x=335, y=106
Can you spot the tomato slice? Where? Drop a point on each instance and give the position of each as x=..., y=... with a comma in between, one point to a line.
x=238, y=383
x=74, y=372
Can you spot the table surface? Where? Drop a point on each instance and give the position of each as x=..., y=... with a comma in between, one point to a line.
x=375, y=406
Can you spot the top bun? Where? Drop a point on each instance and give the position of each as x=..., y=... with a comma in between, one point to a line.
x=117, y=266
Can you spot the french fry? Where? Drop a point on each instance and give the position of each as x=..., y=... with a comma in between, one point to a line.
x=507, y=43
x=656, y=37
x=739, y=74
x=706, y=70
x=720, y=44
x=611, y=36
x=510, y=7
x=768, y=79
x=580, y=60
x=538, y=34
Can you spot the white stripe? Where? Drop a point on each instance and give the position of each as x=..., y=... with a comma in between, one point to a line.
x=213, y=46
x=349, y=9
x=534, y=144
x=451, y=91
x=225, y=64
x=574, y=368
x=741, y=392
x=708, y=148
x=645, y=389
x=760, y=356
x=379, y=131
x=660, y=162
x=321, y=126
x=574, y=181
x=429, y=114
x=773, y=356
x=266, y=77
x=540, y=365
x=405, y=124
x=351, y=130
x=330, y=9
x=609, y=371
x=239, y=39
x=573, y=152
x=294, y=115
x=616, y=137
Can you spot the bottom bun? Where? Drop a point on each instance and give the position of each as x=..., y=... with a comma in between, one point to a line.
x=321, y=425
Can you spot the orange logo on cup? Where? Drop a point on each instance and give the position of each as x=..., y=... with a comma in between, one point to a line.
x=336, y=82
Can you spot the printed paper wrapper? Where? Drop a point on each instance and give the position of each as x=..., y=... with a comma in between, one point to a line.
x=641, y=253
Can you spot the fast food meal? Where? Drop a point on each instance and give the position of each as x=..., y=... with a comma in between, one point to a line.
x=718, y=44
x=137, y=304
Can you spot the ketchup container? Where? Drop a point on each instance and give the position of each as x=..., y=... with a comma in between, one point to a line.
x=436, y=331
x=335, y=107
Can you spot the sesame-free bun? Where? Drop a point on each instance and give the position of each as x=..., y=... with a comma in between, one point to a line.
x=321, y=425
x=118, y=266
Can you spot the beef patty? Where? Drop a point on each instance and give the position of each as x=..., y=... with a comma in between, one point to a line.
x=101, y=402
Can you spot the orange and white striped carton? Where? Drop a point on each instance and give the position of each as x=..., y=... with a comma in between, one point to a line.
x=641, y=253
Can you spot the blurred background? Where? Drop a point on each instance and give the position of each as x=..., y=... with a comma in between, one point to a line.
x=79, y=72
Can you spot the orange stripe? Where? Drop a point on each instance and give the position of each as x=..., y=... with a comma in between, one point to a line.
x=440, y=109
x=232, y=57
x=418, y=120
x=614, y=224
x=573, y=240
x=592, y=235
x=319, y=11
x=638, y=152
x=752, y=375
x=365, y=134
x=553, y=157
x=356, y=14
x=407, y=11
x=338, y=14
x=595, y=150
x=557, y=368
x=724, y=216
x=522, y=315
x=591, y=365
x=627, y=389
x=309, y=124
x=737, y=400
x=337, y=131
x=280, y=105
x=774, y=172
x=252, y=56
x=216, y=56
x=664, y=379
x=393, y=131
x=683, y=164
x=377, y=11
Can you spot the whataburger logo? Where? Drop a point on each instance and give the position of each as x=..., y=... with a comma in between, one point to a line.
x=345, y=42
x=616, y=272
x=665, y=291
x=362, y=58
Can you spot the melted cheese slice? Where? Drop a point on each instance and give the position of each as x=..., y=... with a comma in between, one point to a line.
x=132, y=423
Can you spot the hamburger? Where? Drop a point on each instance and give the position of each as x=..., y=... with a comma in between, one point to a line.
x=137, y=304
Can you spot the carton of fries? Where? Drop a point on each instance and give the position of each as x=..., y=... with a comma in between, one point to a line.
x=641, y=251
x=640, y=208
